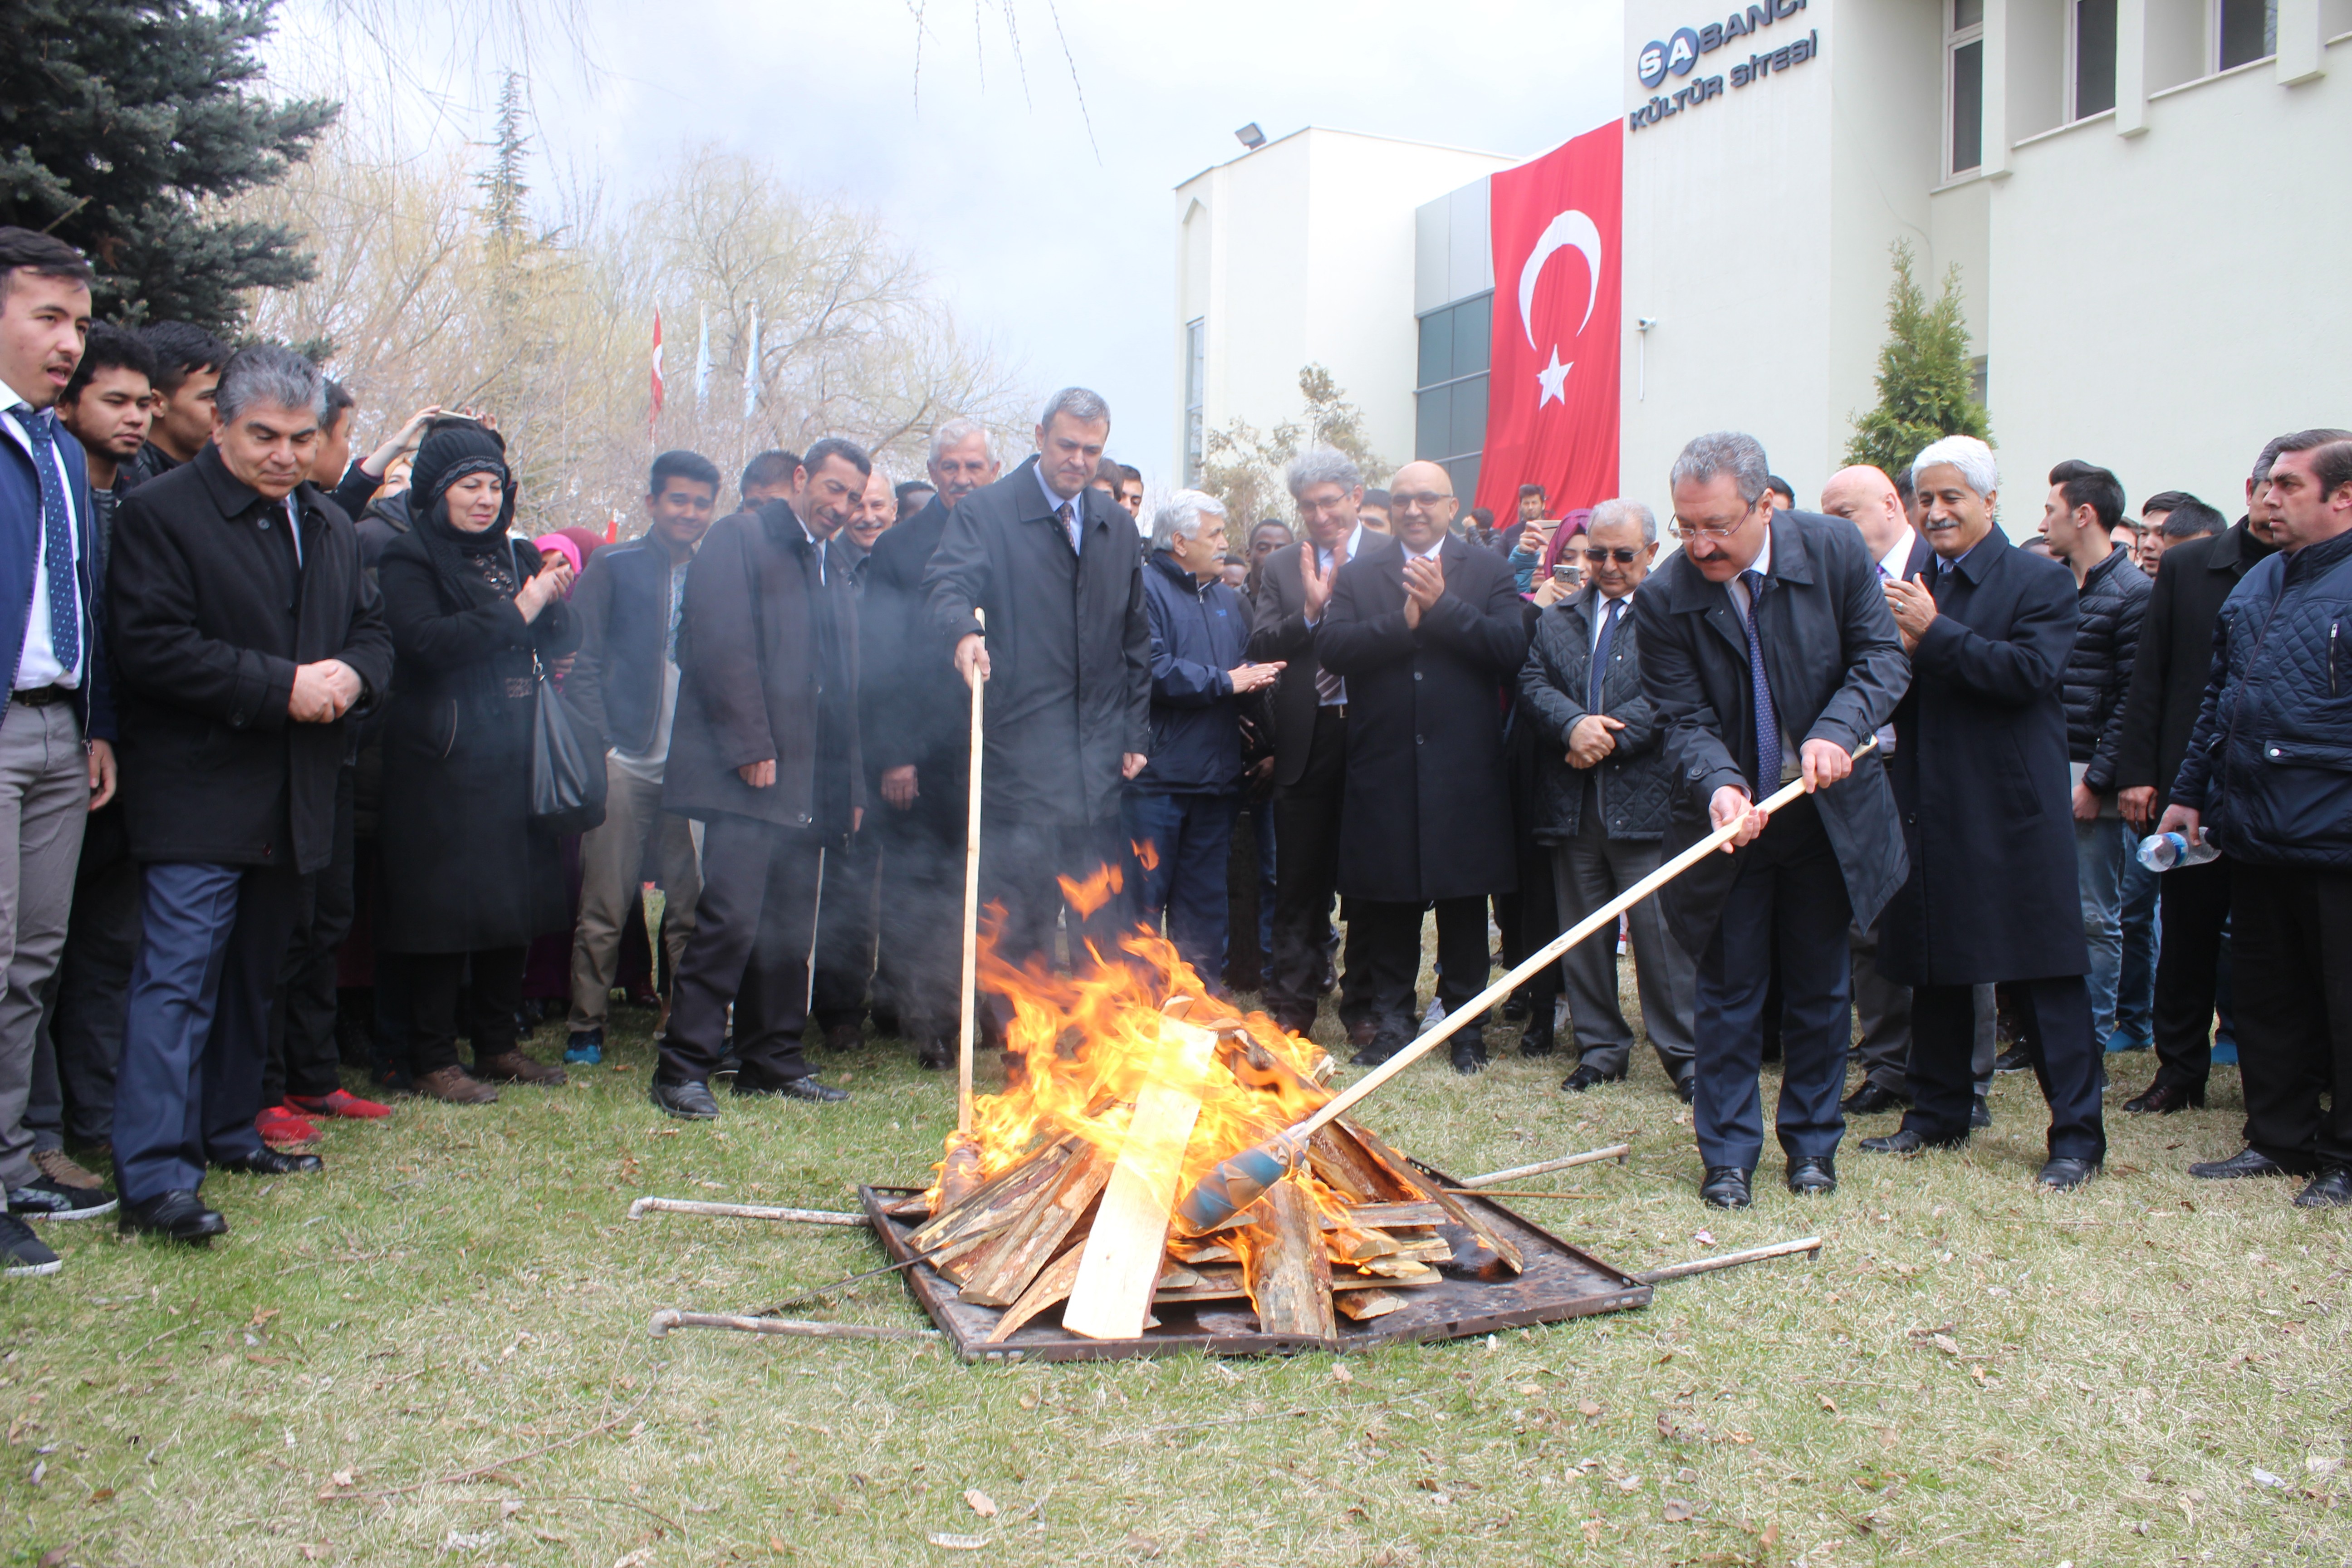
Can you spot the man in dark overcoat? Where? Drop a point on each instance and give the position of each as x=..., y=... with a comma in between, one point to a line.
x=1057, y=567
x=1769, y=657
x=1426, y=629
x=244, y=631
x=765, y=754
x=1981, y=777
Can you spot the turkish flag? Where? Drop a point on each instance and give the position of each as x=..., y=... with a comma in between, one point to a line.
x=1552, y=387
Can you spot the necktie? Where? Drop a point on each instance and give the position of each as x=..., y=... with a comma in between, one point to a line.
x=1329, y=690
x=1768, y=718
x=1070, y=525
x=57, y=543
x=1600, y=654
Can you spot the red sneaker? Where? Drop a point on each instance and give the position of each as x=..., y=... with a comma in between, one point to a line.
x=342, y=1103
x=281, y=1129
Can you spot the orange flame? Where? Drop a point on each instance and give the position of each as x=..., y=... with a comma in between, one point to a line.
x=1147, y=853
x=1092, y=894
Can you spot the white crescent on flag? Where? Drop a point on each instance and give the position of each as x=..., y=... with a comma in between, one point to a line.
x=1570, y=228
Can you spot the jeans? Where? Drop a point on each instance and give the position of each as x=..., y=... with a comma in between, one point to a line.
x=1190, y=836
x=2136, y=978
x=2099, y=873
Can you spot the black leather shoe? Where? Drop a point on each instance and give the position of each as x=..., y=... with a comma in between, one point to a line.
x=1469, y=1057
x=1687, y=1088
x=1585, y=1077
x=175, y=1215
x=2065, y=1176
x=689, y=1101
x=1537, y=1040
x=267, y=1161
x=2015, y=1060
x=1979, y=1115
x=2244, y=1162
x=1812, y=1176
x=2163, y=1099
x=1906, y=1141
x=1726, y=1187
x=1873, y=1100
x=804, y=1087
x=936, y=1056
x=2331, y=1189
x=1515, y=1008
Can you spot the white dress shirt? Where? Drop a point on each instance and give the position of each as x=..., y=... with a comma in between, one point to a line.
x=1078, y=505
x=1891, y=565
x=1601, y=603
x=38, y=665
x=1762, y=565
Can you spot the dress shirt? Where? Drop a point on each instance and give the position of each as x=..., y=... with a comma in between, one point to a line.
x=40, y=665
x=1761, y=566
x=1078, y=505
x=1891, y=565
x=1601, y=613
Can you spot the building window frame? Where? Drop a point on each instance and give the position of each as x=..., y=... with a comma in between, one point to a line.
x=1196, y=399
x=2077, y=108
x=1461, y=465
x=1964, y=59
x=2218, y=33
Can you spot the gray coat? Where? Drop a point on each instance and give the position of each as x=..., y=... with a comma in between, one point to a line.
x=1555, y=683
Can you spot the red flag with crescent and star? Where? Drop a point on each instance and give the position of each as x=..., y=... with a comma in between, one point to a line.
x=1552, y=387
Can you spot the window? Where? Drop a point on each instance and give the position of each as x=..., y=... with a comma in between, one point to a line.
x=1196, y=382
x=1450, y=402
x=2248, y=32
x=2094, y=58
x=1964, y=50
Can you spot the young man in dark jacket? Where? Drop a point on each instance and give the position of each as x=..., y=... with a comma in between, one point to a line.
x=244, y=630
x=2078, y=518
x=1605, y=786
x=1178, y=812
x=2266, y=775
x=625, y=683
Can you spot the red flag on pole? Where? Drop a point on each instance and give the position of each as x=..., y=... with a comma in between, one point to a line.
x=613, y=529
x=1552, y=390
x=653, y=420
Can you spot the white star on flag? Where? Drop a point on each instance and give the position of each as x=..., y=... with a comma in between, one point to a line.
x=1553, y=379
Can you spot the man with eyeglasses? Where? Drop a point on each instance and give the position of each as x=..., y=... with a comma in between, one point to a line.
x=1425, y=629
x=1769, y=655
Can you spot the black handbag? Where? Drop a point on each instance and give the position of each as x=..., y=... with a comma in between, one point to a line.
x=567, y=781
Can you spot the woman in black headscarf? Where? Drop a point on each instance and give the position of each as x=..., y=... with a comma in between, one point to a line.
x=469, y=879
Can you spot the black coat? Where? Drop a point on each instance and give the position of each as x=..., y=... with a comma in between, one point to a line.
x=622, y=601
x=2176, y=654
x=913, y=709
x=208, y=617
x=465, y=868
x=1069, y=646
x=1980, y=776
x=1634, y=781
x=1427, y=813
x=767, y=653
x=1836, y=669
x=2109, y=607
x=1279, y=631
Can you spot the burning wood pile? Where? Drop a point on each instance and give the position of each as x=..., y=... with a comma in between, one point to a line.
x=1131, y=1090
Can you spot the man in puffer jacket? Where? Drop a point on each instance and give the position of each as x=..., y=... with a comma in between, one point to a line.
x=1178, y=811
x=2269, y=776
x=2086, y=504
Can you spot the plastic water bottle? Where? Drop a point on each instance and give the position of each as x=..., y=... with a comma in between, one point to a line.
x=2163, y=851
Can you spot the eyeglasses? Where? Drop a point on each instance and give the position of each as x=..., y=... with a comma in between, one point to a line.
x=1423, y=499
x=1622, y=555
x=1689, y=531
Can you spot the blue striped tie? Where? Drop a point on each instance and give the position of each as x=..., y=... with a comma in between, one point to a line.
x=1768, y=718
x=56, y=540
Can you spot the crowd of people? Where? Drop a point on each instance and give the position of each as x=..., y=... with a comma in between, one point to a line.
x=314, y=763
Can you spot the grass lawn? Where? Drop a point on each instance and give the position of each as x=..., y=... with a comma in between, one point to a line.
x=2151, y=1371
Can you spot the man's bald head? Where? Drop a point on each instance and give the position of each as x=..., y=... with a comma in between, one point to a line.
x=1866, y=498
x=1423, y=496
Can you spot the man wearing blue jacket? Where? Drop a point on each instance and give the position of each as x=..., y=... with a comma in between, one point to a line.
x=2267, y=776
x=1178, y=811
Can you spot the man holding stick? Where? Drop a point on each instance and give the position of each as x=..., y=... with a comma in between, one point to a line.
x=1768, y=656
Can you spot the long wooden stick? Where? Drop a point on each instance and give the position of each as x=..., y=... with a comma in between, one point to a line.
x=971, y=902
x=1606, y=915
x=1491, y=1192
x=1730, y=1259
x=670, y=1317
x=1616, y=1151
x=643, y=1206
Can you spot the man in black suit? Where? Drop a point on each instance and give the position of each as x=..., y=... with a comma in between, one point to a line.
x=1768, y=653
x=917, y=732
x=1427, y=629
x=1981, y=774
x=1311, y=741
x=2176, y=654
x=1059, y=568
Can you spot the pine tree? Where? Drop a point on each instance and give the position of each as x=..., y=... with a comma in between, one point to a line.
x=1923, y=392
x=123, y=122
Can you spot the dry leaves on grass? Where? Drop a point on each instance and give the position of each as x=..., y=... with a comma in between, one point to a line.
x=981, y=1503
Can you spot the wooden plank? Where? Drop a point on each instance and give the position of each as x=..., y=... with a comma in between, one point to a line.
x=1007, y=1262
x=1361, y=1305
x=1227, y=1284
x=999, y=1197
x=1052, y=1285
x=1289, y=1275
x=1390, y=1216
x=1123, y=1252
x=1341, y=1167
x=1456, y=1211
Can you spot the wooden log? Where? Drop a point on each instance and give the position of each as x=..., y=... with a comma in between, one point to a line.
x=1010, y=1193
x=1290, y=1278
x=1227, y=1285
x=1616, y=1151
x=1006, y=1263
x=1491, y=1192
x=1398, y=1166
x=1052, y=1285
x=643, y=1206
x=1392, y=1216
x=670, y=1317
x=1361, y=1305
x=1198, y=1252
x=1123, y=1252
x=960, y=1172
x=1340, y=1166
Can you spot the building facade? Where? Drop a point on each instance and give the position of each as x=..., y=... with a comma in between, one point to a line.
x=2141, y=198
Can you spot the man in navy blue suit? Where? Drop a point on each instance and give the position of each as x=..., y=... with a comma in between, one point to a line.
x=56, y=727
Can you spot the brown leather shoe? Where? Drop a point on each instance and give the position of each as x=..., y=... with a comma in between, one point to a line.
x=514, y=1067
x=454, y=1085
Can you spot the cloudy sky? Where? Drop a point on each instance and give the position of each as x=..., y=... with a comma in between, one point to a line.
x=1049, y=225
